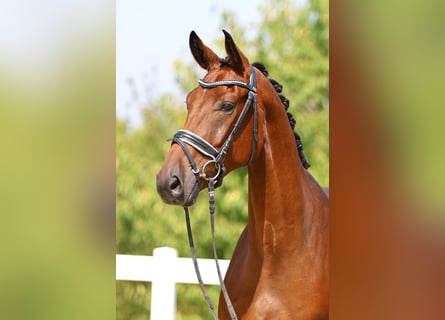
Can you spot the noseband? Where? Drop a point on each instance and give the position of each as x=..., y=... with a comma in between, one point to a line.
x=184, y=137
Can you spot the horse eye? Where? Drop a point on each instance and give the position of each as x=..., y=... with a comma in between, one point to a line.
x=227, y=107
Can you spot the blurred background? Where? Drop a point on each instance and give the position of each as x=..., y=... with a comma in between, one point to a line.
x=57, y=159
x=59, y=139
x=154, y=72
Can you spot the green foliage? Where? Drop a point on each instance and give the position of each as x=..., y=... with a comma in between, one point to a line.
x=297, y=58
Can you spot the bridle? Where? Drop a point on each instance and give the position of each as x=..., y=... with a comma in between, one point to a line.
x=183, y=137
x=216, y=157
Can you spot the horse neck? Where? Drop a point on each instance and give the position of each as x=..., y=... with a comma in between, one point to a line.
x=279, y=191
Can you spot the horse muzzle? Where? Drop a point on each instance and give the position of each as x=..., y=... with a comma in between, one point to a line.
x=177, y=189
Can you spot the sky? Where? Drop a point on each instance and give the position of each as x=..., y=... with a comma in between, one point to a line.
x=150, y=35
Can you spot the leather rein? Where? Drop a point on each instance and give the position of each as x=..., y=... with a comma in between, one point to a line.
x=216, y=157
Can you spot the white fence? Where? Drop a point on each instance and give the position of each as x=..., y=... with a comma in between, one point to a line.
x=164, y=269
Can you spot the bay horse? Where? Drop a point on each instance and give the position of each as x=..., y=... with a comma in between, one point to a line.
x=237, y=117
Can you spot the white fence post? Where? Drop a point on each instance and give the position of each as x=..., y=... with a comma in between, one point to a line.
x=164, y=269
x=163, y=286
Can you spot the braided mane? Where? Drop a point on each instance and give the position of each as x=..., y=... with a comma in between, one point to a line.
x=278, y=88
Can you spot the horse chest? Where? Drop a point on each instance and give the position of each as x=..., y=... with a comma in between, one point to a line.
x=254, y=287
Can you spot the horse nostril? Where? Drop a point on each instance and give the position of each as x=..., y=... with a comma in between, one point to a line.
x=170, y=187
x=174, y=183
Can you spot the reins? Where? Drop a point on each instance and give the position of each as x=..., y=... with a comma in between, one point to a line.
x=184, y=137
x=215, y=256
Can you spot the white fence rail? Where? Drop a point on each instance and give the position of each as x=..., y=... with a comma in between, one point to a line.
x=164, y=269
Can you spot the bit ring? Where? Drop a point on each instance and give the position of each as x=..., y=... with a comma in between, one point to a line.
x=203, y=174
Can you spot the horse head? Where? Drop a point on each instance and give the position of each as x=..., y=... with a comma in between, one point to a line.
x=222, y=131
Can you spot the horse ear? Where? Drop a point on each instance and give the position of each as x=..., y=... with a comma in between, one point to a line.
x=237, y=59
x=202, y=54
